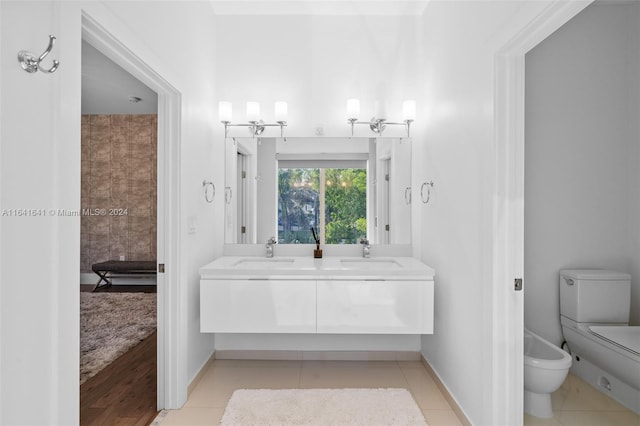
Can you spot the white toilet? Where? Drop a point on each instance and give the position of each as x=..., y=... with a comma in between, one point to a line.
x=594, y=314
x=545, y=368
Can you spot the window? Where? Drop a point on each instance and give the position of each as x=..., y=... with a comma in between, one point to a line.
x=333, y=200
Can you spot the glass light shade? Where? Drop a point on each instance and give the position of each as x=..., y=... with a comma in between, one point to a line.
x=253, y=111
x=380, y=108
x=409, y=110
x=280, y=111
x=353, y=108
x=225, y=111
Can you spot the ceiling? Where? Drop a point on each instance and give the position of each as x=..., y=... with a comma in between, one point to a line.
x=318, y=7
x=107, y=88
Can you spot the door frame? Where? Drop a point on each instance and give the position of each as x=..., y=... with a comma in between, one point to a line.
x=509, y=199
x=242, y=194
x=171, y=352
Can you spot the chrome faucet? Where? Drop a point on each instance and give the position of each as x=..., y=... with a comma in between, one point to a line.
x=366, y=247
x=270, y=242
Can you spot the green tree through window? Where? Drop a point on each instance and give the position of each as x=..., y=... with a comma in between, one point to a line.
x=300, y=204
x=346, y=205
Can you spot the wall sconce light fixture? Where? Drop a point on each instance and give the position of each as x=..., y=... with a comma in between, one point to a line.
x=255, y=124
x=379, y=122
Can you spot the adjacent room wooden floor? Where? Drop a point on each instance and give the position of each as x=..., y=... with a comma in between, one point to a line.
x=124, y=392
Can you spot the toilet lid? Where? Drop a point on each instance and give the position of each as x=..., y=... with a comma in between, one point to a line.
x=626, y=337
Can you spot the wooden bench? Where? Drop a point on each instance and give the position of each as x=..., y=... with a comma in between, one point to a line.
x=122, y=268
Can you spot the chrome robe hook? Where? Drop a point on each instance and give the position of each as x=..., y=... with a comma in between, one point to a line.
x=30, y=63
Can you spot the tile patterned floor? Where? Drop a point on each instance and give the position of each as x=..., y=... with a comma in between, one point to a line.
x=577, y=403
x=208, y=399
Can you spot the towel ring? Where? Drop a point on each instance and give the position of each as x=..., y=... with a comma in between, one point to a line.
x=209, y=191
x=429, y=185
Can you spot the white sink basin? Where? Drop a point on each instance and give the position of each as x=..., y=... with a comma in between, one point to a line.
x=371, y=263
x=264, y=263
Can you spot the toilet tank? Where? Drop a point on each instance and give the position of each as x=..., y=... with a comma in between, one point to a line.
x=595, y=295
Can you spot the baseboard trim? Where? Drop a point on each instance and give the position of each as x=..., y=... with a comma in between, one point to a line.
x=200, y=374
x=92, y=278
x=445, y=392
x=88, y=278
x=319, y=355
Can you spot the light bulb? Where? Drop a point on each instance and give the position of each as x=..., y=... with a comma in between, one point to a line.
x=280, y=111
x=225, y=110
x=253, y=111
x=353, y=108
x=409, y=110
x=380, y=110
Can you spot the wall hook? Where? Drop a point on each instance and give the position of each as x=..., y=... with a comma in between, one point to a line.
x=429, y=185
x=30, y=63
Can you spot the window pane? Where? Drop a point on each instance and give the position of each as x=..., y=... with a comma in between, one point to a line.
x=298, y=205
x=345, y=205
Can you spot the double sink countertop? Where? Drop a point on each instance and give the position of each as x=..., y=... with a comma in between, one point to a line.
x=308, y=268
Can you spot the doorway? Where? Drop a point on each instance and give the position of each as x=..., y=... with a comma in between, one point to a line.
x=118, y=315
x=382, y=224
x=508, y=220
x=242, y=208
x=171, y=320
x=581, y=154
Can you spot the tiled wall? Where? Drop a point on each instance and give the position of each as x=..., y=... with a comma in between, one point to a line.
x=119, y=158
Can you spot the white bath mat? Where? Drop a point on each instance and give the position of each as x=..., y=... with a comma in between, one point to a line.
x=322, y=407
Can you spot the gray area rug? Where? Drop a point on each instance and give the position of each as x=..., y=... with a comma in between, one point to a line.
x=322, y=407
x=110, y=325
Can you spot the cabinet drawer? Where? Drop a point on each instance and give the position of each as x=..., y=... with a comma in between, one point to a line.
x=258, y=306
x=386, y=307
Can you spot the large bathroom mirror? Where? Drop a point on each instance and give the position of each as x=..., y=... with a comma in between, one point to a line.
x=345, y=188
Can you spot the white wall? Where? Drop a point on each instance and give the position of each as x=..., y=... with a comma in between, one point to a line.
x=455, y=148
x=633, y=95
x=38, y=350
x=582, y=169
x=40, y=168
x=316, y=63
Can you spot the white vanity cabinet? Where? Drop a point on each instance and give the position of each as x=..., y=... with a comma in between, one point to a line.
x=341, y=295
x=375, y=306
x=258, y=306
